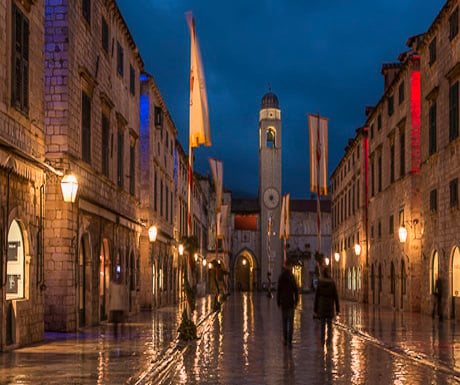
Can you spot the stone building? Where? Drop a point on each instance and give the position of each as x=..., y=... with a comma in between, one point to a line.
x=439, y=225
x=23, y=173
x=160, y=275
x=92, y=70
x=349, y=258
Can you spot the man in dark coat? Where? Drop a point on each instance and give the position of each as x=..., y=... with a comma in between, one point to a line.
x=287, y=297
x=437, y=304
x=325, y=298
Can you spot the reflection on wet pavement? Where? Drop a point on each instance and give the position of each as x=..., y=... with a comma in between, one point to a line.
x=244, y=346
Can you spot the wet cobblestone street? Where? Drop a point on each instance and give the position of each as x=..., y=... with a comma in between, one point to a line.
x=242, y=345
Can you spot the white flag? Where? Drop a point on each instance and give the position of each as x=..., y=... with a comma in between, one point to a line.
x=284, y=220
x=218, y=176
x=318, y=153
x=199, y=115
x=222, y=222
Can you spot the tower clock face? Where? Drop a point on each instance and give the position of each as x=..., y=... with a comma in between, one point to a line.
x=271, y=198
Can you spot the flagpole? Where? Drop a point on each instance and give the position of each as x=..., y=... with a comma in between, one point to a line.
x=318, y=203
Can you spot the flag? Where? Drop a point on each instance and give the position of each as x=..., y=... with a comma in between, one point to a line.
x=218, y=176
x=284, y=222
x=199, y=115
x=222, y=222
x=318, y=154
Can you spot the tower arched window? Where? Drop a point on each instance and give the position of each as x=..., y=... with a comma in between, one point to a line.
x=271, y=137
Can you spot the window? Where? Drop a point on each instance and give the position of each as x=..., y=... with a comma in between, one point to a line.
x=158, y=117
x=349, y=202
x=270, y=138
x=155, y=192
x=105, y=35
x=171, y=208
x=105, y=145
x=357, y=195
x=161, y=198
x=402, y=154
x=453, y=111
x=15, y=269
x=120, y=159
x=434, y=200
x=85, y=127
x=132, y=80
x=132, y=169
x=372, y=132
x=86, y=10
x=372, y=178
x=453, y=190
x=391, y=226
x=392, y=163
x=119, y=59
x=380, y=229
x=380, y=172
x=379, y=122
x=20, y=67
x=167, y=202
x=432, y=49
x=390, y=105
x=453, y=24
x=432, y=129
x=401, y=93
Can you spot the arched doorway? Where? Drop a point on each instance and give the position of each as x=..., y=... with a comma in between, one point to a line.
x=84, y=277
x=244, y=269
x=132, y=280
x=455, y=281
x=393, y=283
x=16, y=278
x=434, y=270
x=104, y=279
x=403, y=282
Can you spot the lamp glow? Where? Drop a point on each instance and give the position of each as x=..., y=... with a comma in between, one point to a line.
x=327, y=261
x=244, y=261
x=204, y=262
x=336, y=256
x=357, y=249
x=153, y=232
x=181, y=249
x=402, y=233
x=195, y=256
x=69, y=188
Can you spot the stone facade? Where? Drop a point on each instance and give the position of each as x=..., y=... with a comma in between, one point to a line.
x=92, y=67
x=349, y=219
x=440, y=159
x=22, y=173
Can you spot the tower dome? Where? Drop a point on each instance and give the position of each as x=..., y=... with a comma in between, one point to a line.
x=270, y=100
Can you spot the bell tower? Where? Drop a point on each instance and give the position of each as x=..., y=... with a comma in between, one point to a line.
x=270, y=188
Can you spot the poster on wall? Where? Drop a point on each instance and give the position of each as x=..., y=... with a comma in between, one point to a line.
x=13, y=251
x=12, y=284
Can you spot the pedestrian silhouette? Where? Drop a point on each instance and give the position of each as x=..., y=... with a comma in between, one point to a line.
x=287, y=297
x=325, y=298
x=437, y=302
x=117, y=303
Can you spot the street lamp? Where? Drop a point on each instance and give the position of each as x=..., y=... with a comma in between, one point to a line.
x=326, y=261
x=402, y=233
x=357, y=249
x=181, y=249
x=153, y=232
x=336, y=256
x=69, y=188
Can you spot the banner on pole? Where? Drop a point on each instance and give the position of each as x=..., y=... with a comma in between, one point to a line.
x=199, y=115
x=284, y=221
x=217, y=170
x=222, y=221
x=318, y=127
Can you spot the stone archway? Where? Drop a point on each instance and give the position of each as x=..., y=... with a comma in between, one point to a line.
x=244, y=272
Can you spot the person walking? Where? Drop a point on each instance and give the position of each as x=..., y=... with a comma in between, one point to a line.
x=437, y=304
x=287, y=297
x=325, y=298
x=117, y=303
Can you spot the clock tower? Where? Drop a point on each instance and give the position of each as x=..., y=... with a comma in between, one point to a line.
x=270, y=188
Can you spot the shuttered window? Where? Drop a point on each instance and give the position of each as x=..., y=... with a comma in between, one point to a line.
x=85, y=127
x=453, y=111
x=105, y=145
x=432, y=129
x=132, y=170
x=20, y=59
x=120, y=159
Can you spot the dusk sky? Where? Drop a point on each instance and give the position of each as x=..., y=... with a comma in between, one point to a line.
x=318, y=56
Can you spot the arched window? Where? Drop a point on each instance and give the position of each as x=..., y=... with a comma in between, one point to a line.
x=353, y=279
x=456, y=272
x=16, y=263
x=403, y=277
x=392, y=279
x=271, y=137
x=359, y=278
x=434, y=270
